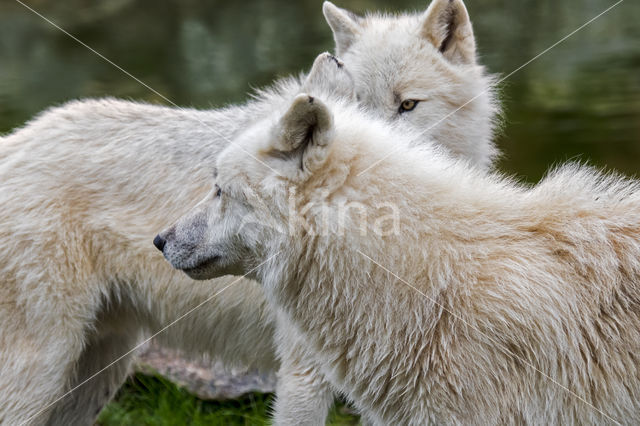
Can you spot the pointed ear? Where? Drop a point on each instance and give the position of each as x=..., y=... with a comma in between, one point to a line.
x=304, y=133
x=344, y=24
x=447, y=26
x=329, y=77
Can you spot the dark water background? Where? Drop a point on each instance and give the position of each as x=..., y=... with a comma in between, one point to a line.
x=579, y=101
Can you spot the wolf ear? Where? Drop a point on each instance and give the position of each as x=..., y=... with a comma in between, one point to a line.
x=328, y=76
x=447, y=26
x=304, y=134
x=344, y=24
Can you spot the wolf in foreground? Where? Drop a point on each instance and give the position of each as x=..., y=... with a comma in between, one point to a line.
x=86, y=186
x=485, y=302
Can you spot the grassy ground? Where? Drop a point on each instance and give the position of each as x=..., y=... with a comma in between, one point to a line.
x=154, y=401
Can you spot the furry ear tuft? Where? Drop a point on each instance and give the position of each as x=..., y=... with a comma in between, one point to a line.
x=344, y=24
x=304, y=133
x=329, y=77
x=447, y=26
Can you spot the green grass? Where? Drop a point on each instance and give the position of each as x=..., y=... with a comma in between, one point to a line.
x=154, y=401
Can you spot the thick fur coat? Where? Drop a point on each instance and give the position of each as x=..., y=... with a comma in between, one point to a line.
x=486, y=302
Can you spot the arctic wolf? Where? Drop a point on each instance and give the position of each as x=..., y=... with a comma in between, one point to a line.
x=486, y=303
x=85, y=187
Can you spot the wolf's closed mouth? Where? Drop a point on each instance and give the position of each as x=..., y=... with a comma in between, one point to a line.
x=202, y=265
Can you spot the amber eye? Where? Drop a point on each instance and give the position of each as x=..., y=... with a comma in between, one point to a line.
x=407, y=105
x=218, y=191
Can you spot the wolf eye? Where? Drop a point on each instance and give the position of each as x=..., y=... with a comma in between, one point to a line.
x=407, y=105
x=218, y=191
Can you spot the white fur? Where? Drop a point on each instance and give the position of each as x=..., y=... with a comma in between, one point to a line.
x=84, y=188
x=395, y=58
x=492, y=303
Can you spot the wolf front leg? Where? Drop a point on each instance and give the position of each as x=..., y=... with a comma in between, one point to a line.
x=101, y=370
x=37, y=362
x=303, y=396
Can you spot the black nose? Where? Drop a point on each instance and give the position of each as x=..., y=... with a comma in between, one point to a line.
x=159, y=242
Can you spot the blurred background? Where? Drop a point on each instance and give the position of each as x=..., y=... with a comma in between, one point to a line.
x=580, y=101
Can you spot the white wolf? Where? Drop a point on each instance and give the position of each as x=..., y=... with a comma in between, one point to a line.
x=485, y=303
x=85, y=186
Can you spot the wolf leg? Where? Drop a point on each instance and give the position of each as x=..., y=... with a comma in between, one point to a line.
x=83, y=405
x=303, y=397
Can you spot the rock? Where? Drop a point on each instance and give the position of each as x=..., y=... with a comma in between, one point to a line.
x=207, y=379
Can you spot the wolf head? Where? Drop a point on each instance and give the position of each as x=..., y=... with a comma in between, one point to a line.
x=226, y=231
x=420, y=71
x=236, y=226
